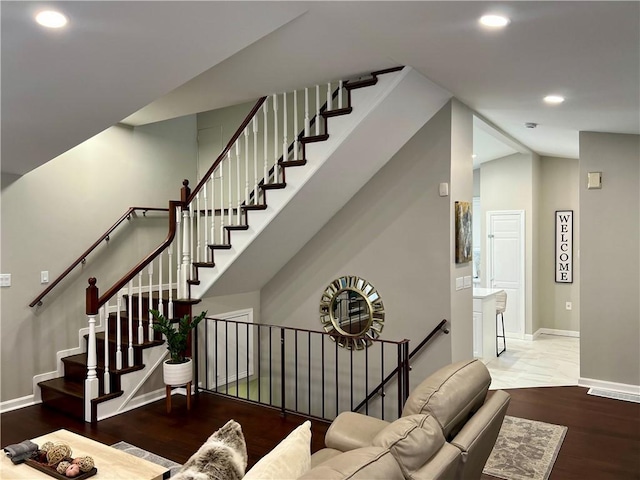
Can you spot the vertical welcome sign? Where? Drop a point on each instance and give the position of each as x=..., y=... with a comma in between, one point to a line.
x=564, y=246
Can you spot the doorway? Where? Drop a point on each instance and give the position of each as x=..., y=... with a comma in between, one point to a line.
x=506, y=265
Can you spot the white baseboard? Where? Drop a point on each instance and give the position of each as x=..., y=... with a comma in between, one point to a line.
x=616, y=387
x=553, y=331
x=17, y=403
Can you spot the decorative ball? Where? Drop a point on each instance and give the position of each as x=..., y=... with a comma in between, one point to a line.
x=85, y=463
x=73, y=470
x=46, y=446
x=58, y=452
x=62, y=467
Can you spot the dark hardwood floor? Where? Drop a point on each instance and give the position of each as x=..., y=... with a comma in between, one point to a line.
x=603, y=440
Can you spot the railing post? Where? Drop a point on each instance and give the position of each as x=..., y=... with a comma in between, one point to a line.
x=186, y=242
x=91, y=382
x=407, y=369
x=282, y=372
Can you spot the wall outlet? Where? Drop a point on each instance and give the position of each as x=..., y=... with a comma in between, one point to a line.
x=568, y=305
x=5, y=280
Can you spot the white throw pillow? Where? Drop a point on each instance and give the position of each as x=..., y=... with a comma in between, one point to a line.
x=290, y=459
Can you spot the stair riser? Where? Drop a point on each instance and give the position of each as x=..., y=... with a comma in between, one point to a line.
x=137, y=353
x=78, y=373
x=71, y=406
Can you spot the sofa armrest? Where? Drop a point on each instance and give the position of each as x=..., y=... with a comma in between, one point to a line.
x=479, y=434
x=352, y=430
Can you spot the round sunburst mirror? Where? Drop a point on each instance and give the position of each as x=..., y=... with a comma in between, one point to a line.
x=351, y=310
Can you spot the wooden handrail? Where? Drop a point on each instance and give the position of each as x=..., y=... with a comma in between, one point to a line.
x=81, y=258
x=173, y=204
x=224, y=152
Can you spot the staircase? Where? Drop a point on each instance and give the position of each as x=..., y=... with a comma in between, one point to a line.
x=273, y=187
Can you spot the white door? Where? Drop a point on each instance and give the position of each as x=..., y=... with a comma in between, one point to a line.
x=505, y=265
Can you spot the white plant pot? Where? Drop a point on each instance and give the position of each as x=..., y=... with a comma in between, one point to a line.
x=177, y=374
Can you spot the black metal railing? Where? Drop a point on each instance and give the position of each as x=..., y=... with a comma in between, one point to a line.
x=301, y=371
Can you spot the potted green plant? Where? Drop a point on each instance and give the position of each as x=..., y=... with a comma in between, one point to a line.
x=177, y=370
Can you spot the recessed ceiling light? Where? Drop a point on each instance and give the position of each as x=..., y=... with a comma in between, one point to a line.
x=494, y=21
x=554, y=99
x=51, y=19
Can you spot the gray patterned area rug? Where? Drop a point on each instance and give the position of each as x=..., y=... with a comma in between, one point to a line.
x=525, y=449
x=148, y=456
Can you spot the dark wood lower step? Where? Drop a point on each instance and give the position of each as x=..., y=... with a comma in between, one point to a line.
x=368, y=82
x=337, y=112
x=254, y=207
x=315, y=138
x=273, y=186
x=292, y=163
x=64, y=395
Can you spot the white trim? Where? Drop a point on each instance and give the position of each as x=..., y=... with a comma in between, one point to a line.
x=148, y=372
x=605, y=385
x=138, y=402
x=554, y=331
x=17, y=403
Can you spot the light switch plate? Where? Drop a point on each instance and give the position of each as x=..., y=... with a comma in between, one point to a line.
x=467, y=281
x=594, y=180
x=5, y=280
x=44, y=277
x=443, y=189
x=459, y=283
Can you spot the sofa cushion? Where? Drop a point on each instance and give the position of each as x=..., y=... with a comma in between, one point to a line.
x=412, y=440
x=323, y=455
x=451, y=395
x=351, y=430
x=223, y=456
x=367, y=463
x=288, y=460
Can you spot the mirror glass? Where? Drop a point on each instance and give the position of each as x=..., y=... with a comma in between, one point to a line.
x=352, y=312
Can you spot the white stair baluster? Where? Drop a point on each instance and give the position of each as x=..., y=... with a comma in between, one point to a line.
x=230, y=208
x=197, y=220
x=130, y=323
x=170, y=305
x=246, y=169
x=205, y=254
x=317, y=109
x=119, y=331
x=285, y=129
x=295, y=125
x=329, y=101
x=307, y=121
x=104, y=316
x=265, y=112
x=192, y=242
x=213, y=240
x=178, y=240
x=275, y=139
x=150, y=290
x=255, y=160
x=140, y=327
x=340, y=85
x=237, y=185
x=186, y=252
x=160, y=288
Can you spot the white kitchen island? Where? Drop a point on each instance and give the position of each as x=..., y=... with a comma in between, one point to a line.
x=484, y=323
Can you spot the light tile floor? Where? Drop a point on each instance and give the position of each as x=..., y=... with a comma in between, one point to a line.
x=548, y=360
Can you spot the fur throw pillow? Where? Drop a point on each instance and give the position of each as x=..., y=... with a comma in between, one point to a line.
x=222, y=457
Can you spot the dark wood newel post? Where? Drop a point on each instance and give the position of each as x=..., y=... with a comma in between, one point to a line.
x=185, y=191
x=92, y=297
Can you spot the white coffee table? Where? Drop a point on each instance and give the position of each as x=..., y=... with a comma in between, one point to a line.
x=111, y=463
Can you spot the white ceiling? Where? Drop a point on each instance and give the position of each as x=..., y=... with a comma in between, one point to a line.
x=149, y=61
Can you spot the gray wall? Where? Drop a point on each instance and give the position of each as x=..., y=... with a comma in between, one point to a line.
x=558, y=191
x=394, y=233
x=52, y=214
x=610, y=259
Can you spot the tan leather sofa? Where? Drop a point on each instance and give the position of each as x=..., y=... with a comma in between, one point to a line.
x=447, y=430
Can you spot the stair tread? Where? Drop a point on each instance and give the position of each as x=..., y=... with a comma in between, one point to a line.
x=255, y=207
x=81, y=359
x=237, y=227
x=337, y=112
x=315, y=138
x=292, y=163
x=220, y=246
x=273, y=186
x=204, y=264
x=66, y=386
x=193, y=282
x=367, y=82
